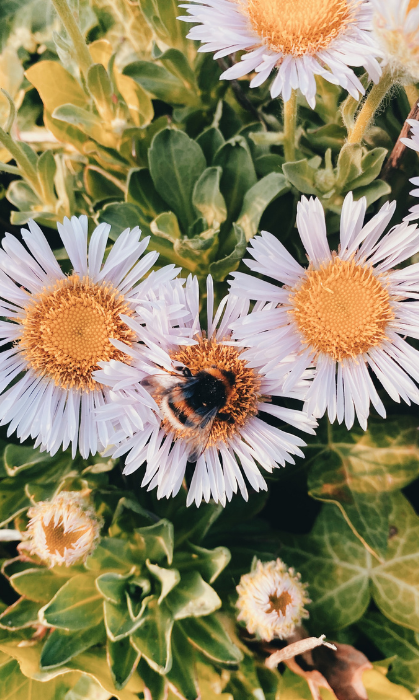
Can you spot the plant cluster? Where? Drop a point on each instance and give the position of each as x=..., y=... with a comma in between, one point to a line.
x=195, y=489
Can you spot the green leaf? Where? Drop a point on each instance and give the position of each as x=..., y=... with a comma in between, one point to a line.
x=373, y=192
x=378, y=687
x=192, y=597
x=182, y=674
x=168, y=578
x=153, y=638
x=47, y=168
x=61, y=645
x=22, y=195
x=161, y=15
x=123, y=660
x=15, y=686
x=55, y=85
x=23, y=613
x=158, y=540
x=357, y=470
x=87, y=122
x=13, y=500
x=349, y=164
x=100, y=87
x=194, y=525
x=208, y=199
x=176, y=163
x=39, y=584
x=178, y=64
x=210, y=140
x=301, y=175
x=166, y=225
x=113, y=554
x=76, y=606
x=394, y=640
x=328, y=136
x=118, y=620
x=120, y=216
x=159, y=82
x=139, y=104
x=342, y=574
x=239, y=175
x=154, y=682
x=112, y=586
x=209, y=636
x=221, y=268
x=209, y=562
x=100, y=185
x=141, y=191
x=371, y=166
x=257, y=199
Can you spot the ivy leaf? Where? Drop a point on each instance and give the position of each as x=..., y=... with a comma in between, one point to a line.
x=343, y=575
x=394, y=640
x=358, y=470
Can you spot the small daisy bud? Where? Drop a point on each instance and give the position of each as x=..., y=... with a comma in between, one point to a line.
x=64, y=530
x=271, y=600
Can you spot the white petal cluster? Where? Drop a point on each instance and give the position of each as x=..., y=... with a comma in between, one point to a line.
x=344, y=388
x=224, y=28
x=33, y=405
x=169, y=321
x=413, y=143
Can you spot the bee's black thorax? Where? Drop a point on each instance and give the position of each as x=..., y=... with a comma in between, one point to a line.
x=212, y=389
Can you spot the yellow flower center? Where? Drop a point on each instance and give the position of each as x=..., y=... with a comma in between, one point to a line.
x=298, y=27
x=58, y=541
x=279, y=603
x=66, y=330
x=342, y=309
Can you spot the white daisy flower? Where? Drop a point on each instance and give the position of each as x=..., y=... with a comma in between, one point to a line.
x=396, y=31
x=298, y=38
x=271, y=600
x=345, y=313
x=413, y=142
x=64, y=530
x=191, y=396
x=60, y=328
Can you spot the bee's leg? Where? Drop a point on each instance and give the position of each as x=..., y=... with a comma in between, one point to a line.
x=225, y=417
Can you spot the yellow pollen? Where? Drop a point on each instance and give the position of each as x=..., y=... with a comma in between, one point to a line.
x=57, y=540
x=342, y=309
x=244, y=398
x=298, y=27
x=279, y=603
x=66, y=330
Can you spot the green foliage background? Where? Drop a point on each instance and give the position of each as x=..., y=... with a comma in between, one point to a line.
x=153, y=138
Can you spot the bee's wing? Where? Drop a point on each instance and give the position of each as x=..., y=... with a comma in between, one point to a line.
x=161, y=382
x=199, y=437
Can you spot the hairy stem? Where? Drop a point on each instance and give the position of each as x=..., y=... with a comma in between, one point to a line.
x=371, y=104
x=83, y=56
x=289, y=119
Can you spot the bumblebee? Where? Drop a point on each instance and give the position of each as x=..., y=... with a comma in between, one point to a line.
x=190, y=403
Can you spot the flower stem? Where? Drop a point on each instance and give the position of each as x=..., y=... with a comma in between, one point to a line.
x=289, y=127
x=83, y=56
x=370, y=106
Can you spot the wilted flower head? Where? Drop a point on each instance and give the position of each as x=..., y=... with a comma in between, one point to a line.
x=64, y=530
x=395, y=24
x=271, y=600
